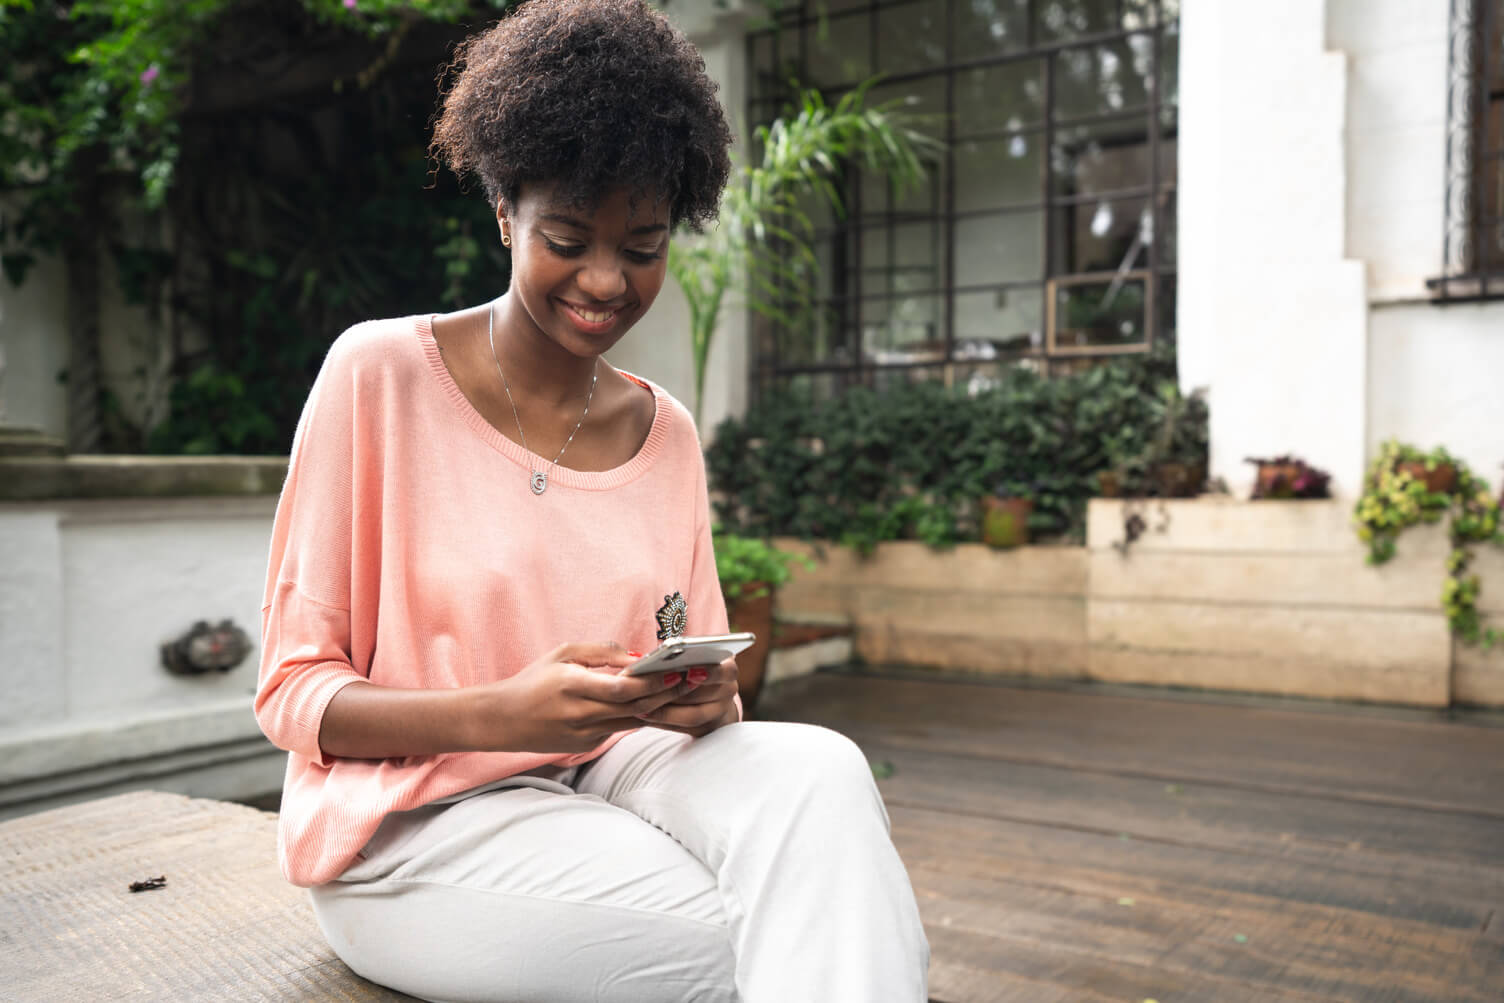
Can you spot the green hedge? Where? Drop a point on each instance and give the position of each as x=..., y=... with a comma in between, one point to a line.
x=912, y=462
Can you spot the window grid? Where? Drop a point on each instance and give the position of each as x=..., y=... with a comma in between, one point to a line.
x=1055, y=209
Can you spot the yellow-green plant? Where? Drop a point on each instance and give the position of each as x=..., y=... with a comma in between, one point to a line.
x=1396, y=497
x=761, y=243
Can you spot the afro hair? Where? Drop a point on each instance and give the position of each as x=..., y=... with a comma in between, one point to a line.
x=591, y=96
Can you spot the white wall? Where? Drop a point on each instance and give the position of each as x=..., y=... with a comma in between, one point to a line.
x=89, y=590
x=1272, y=312
x=1395, y=135
x=1436, y=378
x=34, y=333
x=1433, y=371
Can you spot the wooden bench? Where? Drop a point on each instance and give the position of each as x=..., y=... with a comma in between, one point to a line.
x=224, y=926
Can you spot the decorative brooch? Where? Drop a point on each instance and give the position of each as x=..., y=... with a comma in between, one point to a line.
x=673, y=617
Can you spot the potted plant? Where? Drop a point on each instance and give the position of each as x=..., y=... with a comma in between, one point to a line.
x=1398, y=492
x=1289, y=477
x=1005, y=515
x=751, y=571
x=1176, y=459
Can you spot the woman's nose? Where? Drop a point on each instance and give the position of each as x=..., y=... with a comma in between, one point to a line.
x=602, y=278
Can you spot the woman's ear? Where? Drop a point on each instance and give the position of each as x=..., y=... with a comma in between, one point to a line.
x=503, y=223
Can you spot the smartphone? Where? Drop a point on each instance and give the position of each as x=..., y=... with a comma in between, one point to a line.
x=686, y=651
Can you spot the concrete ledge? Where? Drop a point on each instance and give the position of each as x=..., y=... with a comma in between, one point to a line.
x=36, y=478
x=216, y=750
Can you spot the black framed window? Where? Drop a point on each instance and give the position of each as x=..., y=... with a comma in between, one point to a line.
x=1044, y=237
x=1473, y=235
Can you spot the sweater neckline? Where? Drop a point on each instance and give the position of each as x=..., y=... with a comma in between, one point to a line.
x=588, y=480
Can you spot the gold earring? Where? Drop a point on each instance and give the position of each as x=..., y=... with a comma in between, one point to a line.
x=506, y=240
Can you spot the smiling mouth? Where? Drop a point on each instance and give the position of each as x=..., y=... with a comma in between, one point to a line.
x=591, y=317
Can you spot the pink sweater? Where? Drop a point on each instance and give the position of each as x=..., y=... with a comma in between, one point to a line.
x=409, y=550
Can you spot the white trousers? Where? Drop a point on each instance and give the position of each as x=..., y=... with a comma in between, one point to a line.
x=753, y=864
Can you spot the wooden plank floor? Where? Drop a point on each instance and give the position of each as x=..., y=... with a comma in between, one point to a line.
x=1070, y=844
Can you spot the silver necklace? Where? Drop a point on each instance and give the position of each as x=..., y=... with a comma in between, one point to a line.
x=539, y=480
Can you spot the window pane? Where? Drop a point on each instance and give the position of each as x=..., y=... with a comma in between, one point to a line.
x=999, y=172
x=1060, y=20
x=1102, y=79
x=764, y=81
x=1100, y=236
x=878, y=196
x=994, y=98
x=1007, y=247
x=1169, y=65
x=990, y=27
x=1100, y=314
x=1169, y=159
x=1105, y=157
x=921, y=101
x=818, y=337
x=1010, y=320
x=1138, y=14
x=1167, y=229
x=1165, y=307
x=837, y=50
x=911, y=37
x=902, y=258
x=903, y=329
x=894, y=378
x=918, y=256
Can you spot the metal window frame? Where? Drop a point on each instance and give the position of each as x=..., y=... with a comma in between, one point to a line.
x=791, y=29
x=1472, y=269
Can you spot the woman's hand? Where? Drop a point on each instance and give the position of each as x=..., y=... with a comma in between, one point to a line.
x=570, y=700
x=708, y=701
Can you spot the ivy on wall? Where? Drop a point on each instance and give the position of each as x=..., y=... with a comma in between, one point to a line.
x=257, y=175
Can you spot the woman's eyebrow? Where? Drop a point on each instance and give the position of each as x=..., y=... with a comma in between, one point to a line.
x=579, y=225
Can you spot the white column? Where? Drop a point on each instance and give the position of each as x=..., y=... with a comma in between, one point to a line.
x=1272, y=314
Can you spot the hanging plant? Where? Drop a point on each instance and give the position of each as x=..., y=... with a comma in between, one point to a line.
x=1405, y=487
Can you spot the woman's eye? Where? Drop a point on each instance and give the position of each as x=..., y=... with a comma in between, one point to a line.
x=564, y=250
x=643, y=257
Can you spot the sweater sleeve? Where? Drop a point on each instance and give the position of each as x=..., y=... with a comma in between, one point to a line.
x=305, y=615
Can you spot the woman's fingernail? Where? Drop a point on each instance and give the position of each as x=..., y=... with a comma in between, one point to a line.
x=698, y=675
x=672, y=678
x=635, y=654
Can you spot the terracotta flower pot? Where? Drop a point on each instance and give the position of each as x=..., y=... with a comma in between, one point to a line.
x=1179, y=480
x=1109, y=483
x=1005, y=521
x=1441, y=479
x=754, y=612
x=1277, y=480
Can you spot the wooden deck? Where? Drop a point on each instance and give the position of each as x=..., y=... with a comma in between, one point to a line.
x=1074, y=845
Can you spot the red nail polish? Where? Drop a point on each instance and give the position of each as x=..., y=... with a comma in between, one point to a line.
x=698, y=675
x=671, y=679
x=635, y=654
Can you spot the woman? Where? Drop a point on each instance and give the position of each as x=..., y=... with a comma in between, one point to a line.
x=481, y=516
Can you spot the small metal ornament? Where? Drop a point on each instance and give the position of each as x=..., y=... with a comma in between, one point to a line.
x=539, y=482
x=673, y=617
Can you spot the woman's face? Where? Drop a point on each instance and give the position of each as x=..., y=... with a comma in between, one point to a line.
x=584, y=277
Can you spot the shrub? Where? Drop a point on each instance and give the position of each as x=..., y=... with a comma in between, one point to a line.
x=912, y=461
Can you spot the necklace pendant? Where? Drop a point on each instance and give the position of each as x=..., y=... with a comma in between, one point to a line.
x=539, y=482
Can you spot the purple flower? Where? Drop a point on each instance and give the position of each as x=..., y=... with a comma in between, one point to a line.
x=149, y=74
x=350, y=4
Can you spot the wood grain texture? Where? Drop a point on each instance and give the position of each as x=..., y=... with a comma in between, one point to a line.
x=1071, y=844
